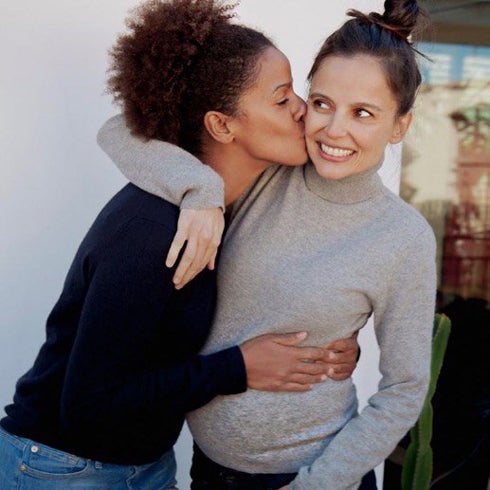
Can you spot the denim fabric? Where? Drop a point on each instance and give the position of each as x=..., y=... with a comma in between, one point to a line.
x=28, y=465
x=208, y=475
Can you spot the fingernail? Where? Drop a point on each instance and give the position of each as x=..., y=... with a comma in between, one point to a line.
x=324, y=377
x=331, y=371
x=301, y=335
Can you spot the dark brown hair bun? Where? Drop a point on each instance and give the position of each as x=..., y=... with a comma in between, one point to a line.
x=401, y=17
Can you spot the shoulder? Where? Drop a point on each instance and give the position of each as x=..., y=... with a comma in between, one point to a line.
x=133, y=219
x=277, y=177
x=399, y=237
x=272, y=174
x=407, y=222
x=132, y=202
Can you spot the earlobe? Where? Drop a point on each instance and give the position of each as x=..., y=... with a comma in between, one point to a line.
x=401, y=127
x=218, y=127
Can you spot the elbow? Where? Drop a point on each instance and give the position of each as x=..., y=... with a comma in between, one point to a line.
x=416, y=398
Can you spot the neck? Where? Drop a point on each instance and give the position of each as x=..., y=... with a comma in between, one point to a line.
x=237, y=173
x=356, y=188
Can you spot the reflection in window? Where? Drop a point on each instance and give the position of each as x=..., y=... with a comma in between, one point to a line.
x=446, y=175
x=454, y=62
x=446, y=172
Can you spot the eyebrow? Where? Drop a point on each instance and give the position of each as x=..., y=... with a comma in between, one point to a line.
x=283, y=85
x=355, y=104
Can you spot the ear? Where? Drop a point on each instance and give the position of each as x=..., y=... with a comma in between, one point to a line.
x=217, y=125
x=400, y=128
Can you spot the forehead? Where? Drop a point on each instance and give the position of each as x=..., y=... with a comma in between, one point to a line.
x=353, y=78
x=273, y=72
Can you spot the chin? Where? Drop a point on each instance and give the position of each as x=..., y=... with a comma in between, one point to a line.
x=304, y=159
x=328, y=171
x=300, y=160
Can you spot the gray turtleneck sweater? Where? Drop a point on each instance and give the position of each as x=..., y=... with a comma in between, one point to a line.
x=322, y=255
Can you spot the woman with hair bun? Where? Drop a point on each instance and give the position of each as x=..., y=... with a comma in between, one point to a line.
x=105, y=400
x=324, y=245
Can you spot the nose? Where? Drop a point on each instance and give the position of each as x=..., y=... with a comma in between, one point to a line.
x=336, y=126
x=299, y=110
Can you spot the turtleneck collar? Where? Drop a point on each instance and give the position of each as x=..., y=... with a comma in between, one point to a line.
x=350, y=190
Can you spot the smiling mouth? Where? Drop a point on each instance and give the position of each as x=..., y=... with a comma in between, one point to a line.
x=336, y=152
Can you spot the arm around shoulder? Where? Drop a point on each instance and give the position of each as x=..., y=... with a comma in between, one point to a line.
x=161, y=168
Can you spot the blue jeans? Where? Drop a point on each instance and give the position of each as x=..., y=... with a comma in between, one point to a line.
x=28, y=465
x=208, y=475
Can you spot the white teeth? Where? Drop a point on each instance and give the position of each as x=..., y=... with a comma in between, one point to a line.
x=336, y=152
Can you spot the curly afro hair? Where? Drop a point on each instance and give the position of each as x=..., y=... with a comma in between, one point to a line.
x=179, y=60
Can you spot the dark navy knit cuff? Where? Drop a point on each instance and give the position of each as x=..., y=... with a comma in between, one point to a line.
x=229, y=369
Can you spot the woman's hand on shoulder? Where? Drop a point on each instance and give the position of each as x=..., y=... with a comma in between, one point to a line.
x=200, y=231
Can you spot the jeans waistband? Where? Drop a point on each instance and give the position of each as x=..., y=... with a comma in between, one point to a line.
x=11, y=439
x=22, y=443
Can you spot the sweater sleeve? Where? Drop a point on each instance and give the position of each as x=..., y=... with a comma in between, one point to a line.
x=161, y=168
x=403, y=319
x=130, y=304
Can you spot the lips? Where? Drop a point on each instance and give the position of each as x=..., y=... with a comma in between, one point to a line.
x=336, y=152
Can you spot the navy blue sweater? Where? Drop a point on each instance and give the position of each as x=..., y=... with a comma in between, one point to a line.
x=120, y=364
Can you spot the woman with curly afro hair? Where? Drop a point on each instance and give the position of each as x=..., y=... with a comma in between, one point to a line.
x=105, y=399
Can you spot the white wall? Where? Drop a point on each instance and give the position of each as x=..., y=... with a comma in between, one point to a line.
x=55, y=179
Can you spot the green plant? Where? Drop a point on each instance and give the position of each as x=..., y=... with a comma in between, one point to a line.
x=417, y=466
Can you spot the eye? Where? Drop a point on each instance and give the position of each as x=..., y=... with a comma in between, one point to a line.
x=283, y=102
x=363, y=113
x=321, y=104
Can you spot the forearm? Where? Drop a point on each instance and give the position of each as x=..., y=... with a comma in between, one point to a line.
x=118, y=394
x=161, y=168
x=365, y=441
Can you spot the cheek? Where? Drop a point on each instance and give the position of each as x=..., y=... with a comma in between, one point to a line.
x=309, y=122
x=371, y=138
x=281, y=130
x=380, y=142
x=309, y=139
x=316, y=123
x=273, y=127
x=309, y=132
